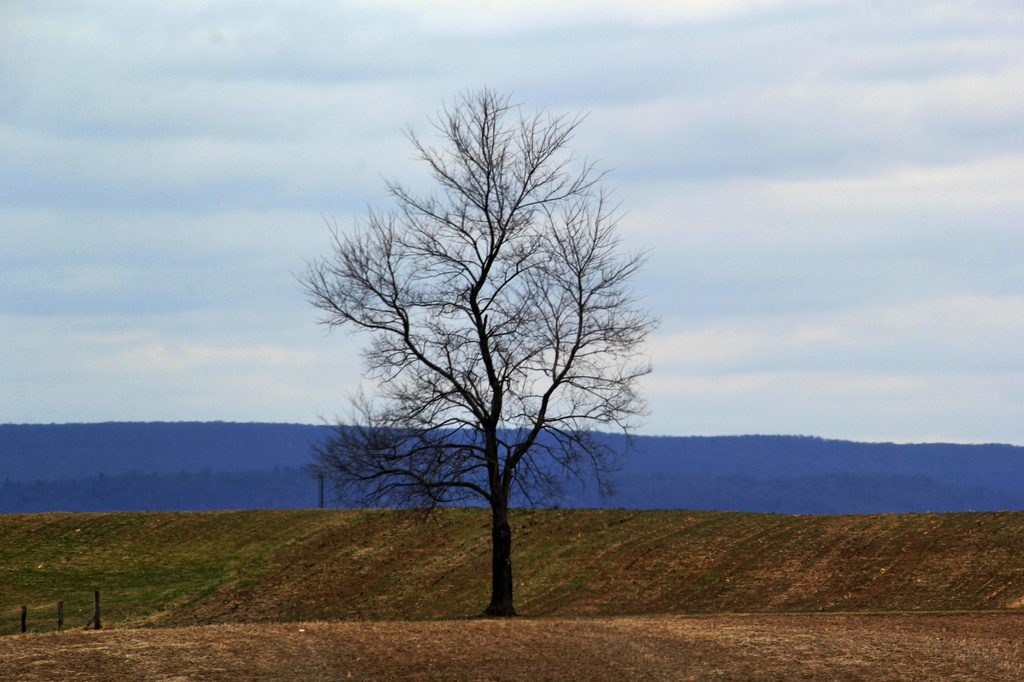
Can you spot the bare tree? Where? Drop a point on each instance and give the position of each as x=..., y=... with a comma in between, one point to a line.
x=502, y=327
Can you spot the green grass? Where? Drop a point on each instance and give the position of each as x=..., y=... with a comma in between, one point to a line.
x=143, y=564
x=283, y=565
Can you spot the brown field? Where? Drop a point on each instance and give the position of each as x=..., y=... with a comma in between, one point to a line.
x=605, y=594
x=975, y=646
x=178, y=569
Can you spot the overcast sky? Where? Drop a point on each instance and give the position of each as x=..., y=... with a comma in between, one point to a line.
x=833, y=192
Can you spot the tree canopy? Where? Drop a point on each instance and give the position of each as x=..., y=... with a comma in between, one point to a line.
x=503, y=329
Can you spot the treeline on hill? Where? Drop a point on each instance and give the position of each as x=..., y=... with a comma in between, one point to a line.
x=287, y=488
x=216, y=465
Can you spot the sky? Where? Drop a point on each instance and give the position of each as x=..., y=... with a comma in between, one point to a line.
x=832, y=192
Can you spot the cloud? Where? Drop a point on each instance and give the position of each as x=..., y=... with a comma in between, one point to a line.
x=489, y=16
x=898, y=407
x=941, y=369
x=141, y=263
x=832, y=193
x=993, y=182
x=127, y=368
x=936, y=336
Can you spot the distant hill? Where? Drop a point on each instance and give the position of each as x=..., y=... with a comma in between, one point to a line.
x=46, y=452
x=218, y=465
x=809, y=475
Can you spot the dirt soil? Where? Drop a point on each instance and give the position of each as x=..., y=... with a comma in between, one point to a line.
x=573, y=563
x=978, y=646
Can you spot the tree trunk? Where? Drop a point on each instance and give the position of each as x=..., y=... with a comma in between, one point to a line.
x=501, y=564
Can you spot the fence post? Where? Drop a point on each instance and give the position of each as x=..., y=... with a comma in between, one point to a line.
x=60, y=616
x=24, y=616
x=96, y=609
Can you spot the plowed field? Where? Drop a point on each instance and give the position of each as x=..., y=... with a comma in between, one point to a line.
x=174, y=569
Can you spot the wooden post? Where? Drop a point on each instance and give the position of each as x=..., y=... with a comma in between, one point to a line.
x=60, y=616
x=96, y=609
x=24, y=616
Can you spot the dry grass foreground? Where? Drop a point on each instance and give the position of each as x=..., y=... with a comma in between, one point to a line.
x=754, y=647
